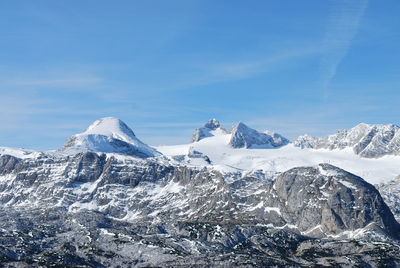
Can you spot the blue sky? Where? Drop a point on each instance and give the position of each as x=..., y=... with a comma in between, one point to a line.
x=166, y=67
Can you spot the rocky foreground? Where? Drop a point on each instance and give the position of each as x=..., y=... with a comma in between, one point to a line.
x=98, y=210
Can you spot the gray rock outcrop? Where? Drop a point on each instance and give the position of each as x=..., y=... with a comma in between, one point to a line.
x=318, y=201
x=207, y=130
x=245, y=137
x=106, y=212
x=370, y=141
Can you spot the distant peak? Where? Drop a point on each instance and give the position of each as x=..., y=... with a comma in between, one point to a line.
x=209, y=129
x=109, y=126
x=110, y=135
x=240, y=125
x=246, y=137
x=212, y=124
x=366, y=140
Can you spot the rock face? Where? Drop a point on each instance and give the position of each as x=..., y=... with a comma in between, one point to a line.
x=391, y=194
x=57, y=238
x=332, y=200
x=106, y=199
x=307, y=141
x=208, y=130
x=108, y=135
x=317, y=201
x=369, y=141
x=245, y=137
x=146, y=212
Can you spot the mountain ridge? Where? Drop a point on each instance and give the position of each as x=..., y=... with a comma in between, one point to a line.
x=369, y=141
x=204, y=203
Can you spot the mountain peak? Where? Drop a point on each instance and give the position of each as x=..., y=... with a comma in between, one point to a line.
x=244, y=136
x=108, y=135
x=212, y=124
x=111, y=126
x=211, y=128
x=366, y=140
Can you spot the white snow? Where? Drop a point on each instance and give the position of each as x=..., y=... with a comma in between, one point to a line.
x=19, y=153
x=227, y=159
x=269, y=209
x=113, y=127
x=99, y=136
x=327, y=172
x=348, y=184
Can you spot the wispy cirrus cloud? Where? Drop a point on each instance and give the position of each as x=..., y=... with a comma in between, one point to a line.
x=343, y=25
x=218, y=72
x=55, y=81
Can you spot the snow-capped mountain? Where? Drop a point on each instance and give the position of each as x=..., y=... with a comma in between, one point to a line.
x=229, y=198
x=244, y=137
x=108, y=135
x=211, y=128
x=241, y=150
x=369, y=141
x=241, y=136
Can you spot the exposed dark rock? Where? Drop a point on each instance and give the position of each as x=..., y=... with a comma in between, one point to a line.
x=94, y=210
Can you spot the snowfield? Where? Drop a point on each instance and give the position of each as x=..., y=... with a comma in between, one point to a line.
x=225, y=158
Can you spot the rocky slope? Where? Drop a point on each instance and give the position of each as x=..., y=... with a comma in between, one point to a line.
x=83, y=207
x=56, y=238
x=244, y=137
x=391, y=193
x=240, y=136
x=211, y=128
x=179, y=210
x=320, y=201
x=369, y=141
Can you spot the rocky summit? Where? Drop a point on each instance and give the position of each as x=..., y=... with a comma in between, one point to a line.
x=88, y=207
x=244, y=137
x=211, y=128
x=370, y=141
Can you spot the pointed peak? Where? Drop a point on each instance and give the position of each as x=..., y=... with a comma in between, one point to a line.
x=212, y=124
x=246, y=137
x=211, y=128
x=240, y=126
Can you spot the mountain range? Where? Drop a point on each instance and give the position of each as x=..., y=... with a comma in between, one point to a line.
x=230, y=197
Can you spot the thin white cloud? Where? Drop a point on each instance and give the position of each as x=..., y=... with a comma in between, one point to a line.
x=343, y=25
x=58, y=82
x=211, y=73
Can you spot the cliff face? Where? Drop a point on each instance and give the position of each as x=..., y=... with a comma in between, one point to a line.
x=102, y=208
x=320, y=201
x=244, y=137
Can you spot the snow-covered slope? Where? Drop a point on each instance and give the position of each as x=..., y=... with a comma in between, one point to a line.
x=109, y=135
x=241, y=136
x=225, y=158
x=211, y=128
x=366, y=140
x=18, y=152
